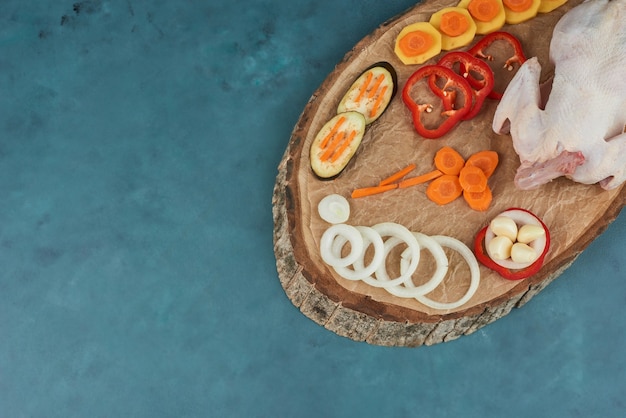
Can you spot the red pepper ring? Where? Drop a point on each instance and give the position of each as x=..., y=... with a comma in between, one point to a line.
x=478, y=50
x=453, y=116
x=483, y=257
x=469, y=64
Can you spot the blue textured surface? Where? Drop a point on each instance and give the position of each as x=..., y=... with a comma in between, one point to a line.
x=138, y=149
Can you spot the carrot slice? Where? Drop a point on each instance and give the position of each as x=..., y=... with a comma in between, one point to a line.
x=479, y=201
x=364, y=87
x=444, y=189
x=397, y=175
x=420, y=179
x=332, y=132
x=518, y=5
x=449, y=161
x=453, y=23
x=472, y=179
x=334, y=143
x=369, y=191
x=416, y=43
x=483, y=10
x=486, y=160
x=341, y=148
x=378, y=101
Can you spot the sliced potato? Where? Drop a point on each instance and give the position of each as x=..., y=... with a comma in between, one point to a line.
x=452, y=42
x=485, y=27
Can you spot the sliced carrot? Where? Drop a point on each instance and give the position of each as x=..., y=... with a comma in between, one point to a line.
x=376, y=85
x=449, y=161
x=444, y=189
x=364, y=86
x=420, y=179
x=341, y=148
x=472, y=179
x=416, y=43
x=332, y=146
x=484, y=10
x=518, y=5
x=369, y=191
x=479, y=201
x=485, y=160
x=453, y=23
x=378, y=101
x=397, y=175
x=332, y=132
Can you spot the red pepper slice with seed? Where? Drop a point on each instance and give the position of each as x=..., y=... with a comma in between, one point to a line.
x=479, y=49
x=483, y=257
x=468, y=66
x=453, y=84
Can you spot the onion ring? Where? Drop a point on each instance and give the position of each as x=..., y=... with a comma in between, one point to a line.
x=411, y=291
x=469, y=257
x=351, y=235
x=334, y=209
x=359, y=271
x=398, y=234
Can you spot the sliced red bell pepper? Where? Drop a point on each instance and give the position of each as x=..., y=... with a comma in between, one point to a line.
x=453, y=84
x=483, y=257
x=469, y=64
x=478, y=50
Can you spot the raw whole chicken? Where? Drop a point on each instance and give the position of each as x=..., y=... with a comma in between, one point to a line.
x=580, y=131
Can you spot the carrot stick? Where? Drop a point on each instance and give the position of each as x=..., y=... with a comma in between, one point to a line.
x=444, y=189
x=374, y=89
x=332, y=132
x=340, y=149
x=485, y=160
x=479, y=201
x=368, y=191
x=378, y=101
x=397, y=175
x=333, y=145
x=364, y=87
x=472, y=179
x=448, y=161
x=420, y=179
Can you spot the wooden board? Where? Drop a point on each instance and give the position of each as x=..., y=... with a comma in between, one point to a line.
x=575, y=213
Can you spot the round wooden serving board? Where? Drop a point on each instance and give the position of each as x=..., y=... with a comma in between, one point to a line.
x=575, y=213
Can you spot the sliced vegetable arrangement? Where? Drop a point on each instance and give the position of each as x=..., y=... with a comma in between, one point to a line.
x=365, y=101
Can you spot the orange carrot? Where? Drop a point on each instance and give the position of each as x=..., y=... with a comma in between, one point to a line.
x=479, y=201
x=416, y=43
x=332, y=132
x=420, y=179
x=378, y=101
x=453, y=23
x=448, y=161
x=363, y=89
x=341, y=148
x=368, y=191
x=518, y=5
x=444, y=189
x=333, y=145
x=485, y=160
x=374, y=88
x=397, y=175
x=483, y=10
x=472, y=179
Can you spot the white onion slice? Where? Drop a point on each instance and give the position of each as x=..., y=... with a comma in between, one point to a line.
x=398, y=234
x=348, y=234
x=469, y=257
x=411, y=291
x=334, y=209
x=521, y=218
x=359, y=271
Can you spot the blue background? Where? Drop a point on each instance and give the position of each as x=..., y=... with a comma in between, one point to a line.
x=139, y=142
